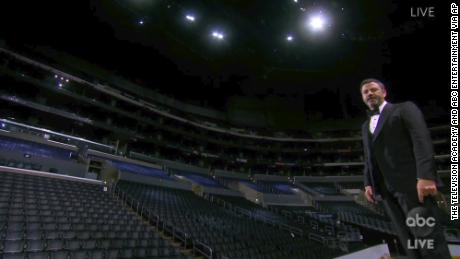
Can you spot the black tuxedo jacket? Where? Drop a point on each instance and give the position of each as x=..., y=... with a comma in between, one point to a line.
x=400, y=150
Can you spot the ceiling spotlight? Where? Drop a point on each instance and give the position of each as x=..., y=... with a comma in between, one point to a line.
x=317, y=22
x=218, y=35
x=295, y=1
x=289, y=38
x=141, y=22
x=190, y=18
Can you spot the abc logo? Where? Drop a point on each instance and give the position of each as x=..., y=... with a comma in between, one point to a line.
x=420, y=221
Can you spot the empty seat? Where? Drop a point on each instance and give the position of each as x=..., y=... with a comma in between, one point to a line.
x=143, y=243
x=89, y=244
x=104, y=243
x=96, y=254
x=112, y=235
x=72, y=244
x=36, y=245
x=32, y=218
x=126, y=253
x=64, y=226
x=13, y=256
x=140, y=252
x=79, y=254
x=34, y=226
x=152, y=251
x=34, y=234
x=78, y=227
x=117, y=243
x=55, y=245
x=38, y=255
x=131, y=243
x=69, y=235
x=52, y=234
x=17, y=218
x=83, y=235
x=97, y=235
x=62, y=254
x=15, y=226
x=13, y=246
x=14, y=235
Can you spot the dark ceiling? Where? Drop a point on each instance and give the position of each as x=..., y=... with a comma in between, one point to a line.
x=363, y=38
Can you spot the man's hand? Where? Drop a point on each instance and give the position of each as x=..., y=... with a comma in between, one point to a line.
x=369, y=193
x=426, y=187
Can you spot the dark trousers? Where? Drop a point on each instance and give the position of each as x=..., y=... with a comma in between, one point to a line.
x=397, y=205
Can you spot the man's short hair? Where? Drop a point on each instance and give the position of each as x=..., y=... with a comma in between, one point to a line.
x=372, y=80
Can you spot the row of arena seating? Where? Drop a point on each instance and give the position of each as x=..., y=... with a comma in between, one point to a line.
x=290, y=215
x=253, y=209
x=325, y=224
x=270, y=187
x=354, y=213
x=202, y=179
x=33, y=149
x=43, y=217
x=141, y=170
x=384, y=226
x=351, y=185
x=308, y=224
x=20, y=164
x=348, y=206
x=323, y=188
x=229, y=235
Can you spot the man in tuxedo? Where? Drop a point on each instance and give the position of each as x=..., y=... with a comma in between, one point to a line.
x=399, y=168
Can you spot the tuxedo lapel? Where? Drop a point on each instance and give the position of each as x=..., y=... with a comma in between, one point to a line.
x=365, y=132
x=382, y=119
x=366, y=139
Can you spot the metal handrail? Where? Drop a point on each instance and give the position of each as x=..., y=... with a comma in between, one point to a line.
x=316, y=237
x=164, y=226
x=264, y=219
x=203, y=253
x=180, y=235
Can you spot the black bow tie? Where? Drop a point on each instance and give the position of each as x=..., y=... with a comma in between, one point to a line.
x=371, y=113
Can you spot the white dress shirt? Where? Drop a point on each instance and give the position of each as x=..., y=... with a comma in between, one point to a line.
x=375, y=118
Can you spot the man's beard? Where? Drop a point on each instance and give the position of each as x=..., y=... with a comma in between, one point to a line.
x=374, y=103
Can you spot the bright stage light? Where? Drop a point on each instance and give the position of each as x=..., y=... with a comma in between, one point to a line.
x=190, y=18
x=317, y=22
x=218, y=35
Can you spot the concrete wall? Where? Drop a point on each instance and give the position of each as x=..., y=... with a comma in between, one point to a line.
x=229, y=174
x=329, y=179
x=283, y=199
x=37, y=139
x=221, y=191
x=66, y=167
x=124, y=159
x=170, y=164
x=45, y=174
x=250, y=194
x=155, y=181
x=271, y=178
